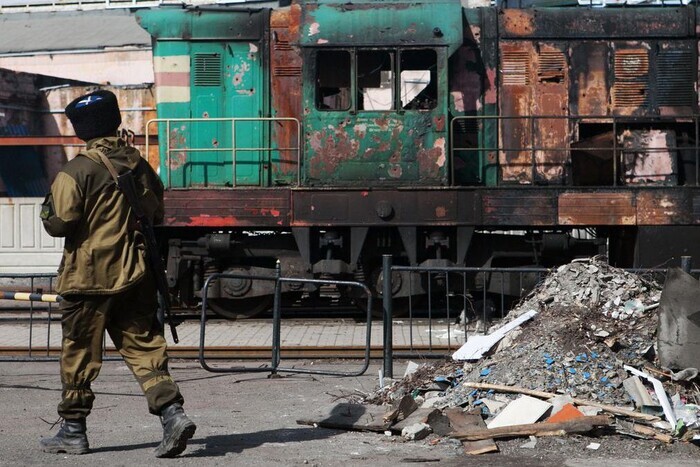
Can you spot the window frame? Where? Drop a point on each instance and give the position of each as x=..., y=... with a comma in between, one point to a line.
x=396, y=53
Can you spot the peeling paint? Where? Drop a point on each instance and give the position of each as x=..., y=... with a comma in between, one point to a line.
x=314, y=28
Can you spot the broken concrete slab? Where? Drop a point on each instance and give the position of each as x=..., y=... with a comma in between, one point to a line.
x=421, y=415
x=679, y=321
x=521, y=411
x=415, y=432
x=494, y=406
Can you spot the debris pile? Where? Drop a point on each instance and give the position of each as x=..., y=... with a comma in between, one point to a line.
x=577, y=355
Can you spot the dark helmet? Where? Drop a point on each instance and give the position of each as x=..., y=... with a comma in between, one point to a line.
x=94, y=115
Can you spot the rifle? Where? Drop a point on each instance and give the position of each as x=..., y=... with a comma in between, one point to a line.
x=126, y=185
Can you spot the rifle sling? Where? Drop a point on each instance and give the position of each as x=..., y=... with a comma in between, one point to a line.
x=110, y=167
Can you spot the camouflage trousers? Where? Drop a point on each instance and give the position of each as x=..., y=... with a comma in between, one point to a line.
x=130, y=319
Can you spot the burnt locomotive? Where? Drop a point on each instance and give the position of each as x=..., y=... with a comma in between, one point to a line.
x=327, y=133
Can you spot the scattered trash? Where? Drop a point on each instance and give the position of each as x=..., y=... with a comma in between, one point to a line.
x=530, y=444
x=577, y=352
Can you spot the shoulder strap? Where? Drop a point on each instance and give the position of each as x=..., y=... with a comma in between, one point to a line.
x=109, y=165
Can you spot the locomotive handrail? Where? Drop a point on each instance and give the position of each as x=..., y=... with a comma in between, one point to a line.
x=233, y=149
x=614, y=149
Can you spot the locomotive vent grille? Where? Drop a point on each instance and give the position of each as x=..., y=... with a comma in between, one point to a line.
x=207, y=69
x=515, y=68
x=551, y=67
x=631, y=87
x=675, y=78
x=282, y=70
x=282, y=45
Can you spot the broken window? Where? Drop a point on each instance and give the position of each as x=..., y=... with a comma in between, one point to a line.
x=418, y=79
x=375, y=80
x=333, y=73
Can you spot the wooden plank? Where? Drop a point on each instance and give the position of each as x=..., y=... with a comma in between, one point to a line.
x=549, y=395
x=346, y=416
x=577, y=425
x=463, y=422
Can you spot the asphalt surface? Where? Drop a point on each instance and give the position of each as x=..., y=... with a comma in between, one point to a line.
x=250, y=420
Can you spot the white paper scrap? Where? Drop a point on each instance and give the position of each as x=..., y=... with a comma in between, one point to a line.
x=477, y=346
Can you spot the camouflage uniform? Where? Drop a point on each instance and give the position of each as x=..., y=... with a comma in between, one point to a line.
x=103, y=276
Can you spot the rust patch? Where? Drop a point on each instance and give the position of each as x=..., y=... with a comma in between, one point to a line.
x=210, y=221
x=597, y=209
x=331, y=147
x=518, y=22
x=440, y=212
x=663, y=208
x=430, y=160
x=490, y=94
x=439, y=123
x=177, y=140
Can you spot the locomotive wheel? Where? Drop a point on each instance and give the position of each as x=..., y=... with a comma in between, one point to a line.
x=232, y=308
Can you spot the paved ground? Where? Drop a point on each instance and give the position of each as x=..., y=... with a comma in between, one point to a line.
x=250, y=420
x=254, y=333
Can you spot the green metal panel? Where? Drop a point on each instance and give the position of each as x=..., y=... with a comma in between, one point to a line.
x=197, y=77
x=358, y=147
x=237, y=94
x=373, y=22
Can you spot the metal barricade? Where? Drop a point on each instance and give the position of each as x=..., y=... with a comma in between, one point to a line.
x=35, y=294
x=446, y=312
x=274, y=366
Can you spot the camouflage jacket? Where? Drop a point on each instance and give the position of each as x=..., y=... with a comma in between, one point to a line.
x=104, y=250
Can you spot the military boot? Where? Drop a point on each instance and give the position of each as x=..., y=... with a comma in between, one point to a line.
x=71, y=439
x=177, y=429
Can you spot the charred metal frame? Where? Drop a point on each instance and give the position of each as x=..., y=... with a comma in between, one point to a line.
x=613, y=120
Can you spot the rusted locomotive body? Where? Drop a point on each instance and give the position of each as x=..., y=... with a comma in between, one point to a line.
x=328, y=133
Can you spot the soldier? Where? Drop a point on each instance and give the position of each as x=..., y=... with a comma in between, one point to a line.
x=104, y=278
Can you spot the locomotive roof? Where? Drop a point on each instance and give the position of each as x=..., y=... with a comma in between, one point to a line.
x=27, y=33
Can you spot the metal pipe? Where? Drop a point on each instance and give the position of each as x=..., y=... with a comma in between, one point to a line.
x=388, y=329
x=276, y=319
x=686, y=263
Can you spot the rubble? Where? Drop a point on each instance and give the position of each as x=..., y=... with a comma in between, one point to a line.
x=577, y=356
